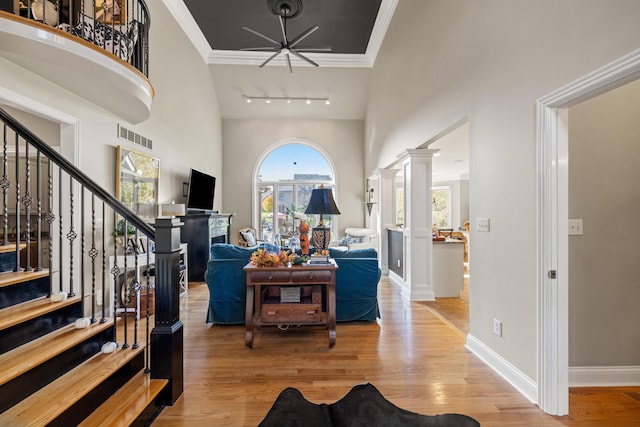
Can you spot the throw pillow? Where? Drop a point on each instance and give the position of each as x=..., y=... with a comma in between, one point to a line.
x=249, y=238
x=348, y=240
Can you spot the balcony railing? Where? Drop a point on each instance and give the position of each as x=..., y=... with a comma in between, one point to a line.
x=121, y=27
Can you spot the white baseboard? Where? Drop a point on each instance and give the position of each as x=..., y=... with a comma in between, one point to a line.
x=604, y=376
x=515, y=377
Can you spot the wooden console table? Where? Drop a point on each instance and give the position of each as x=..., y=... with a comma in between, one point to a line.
x=267, y=306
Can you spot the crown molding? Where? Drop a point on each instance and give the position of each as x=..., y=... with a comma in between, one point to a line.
x=231, y=57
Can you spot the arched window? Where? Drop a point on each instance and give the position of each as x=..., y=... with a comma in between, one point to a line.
x=285, y=179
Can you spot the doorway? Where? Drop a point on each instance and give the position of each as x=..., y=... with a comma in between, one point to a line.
x=552, y=154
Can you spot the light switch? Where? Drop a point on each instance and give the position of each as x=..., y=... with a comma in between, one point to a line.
x=575, y=227
x=483, y=225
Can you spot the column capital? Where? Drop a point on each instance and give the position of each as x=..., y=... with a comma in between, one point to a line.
x=412, y=153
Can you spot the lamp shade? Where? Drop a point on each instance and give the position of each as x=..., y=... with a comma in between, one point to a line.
x=321, y=202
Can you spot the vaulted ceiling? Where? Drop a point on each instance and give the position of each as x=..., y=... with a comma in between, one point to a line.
x=354, y=29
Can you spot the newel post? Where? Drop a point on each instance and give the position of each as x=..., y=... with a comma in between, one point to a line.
x=167, y=334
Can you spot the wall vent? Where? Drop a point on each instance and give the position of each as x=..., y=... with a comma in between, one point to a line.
x=136, y=138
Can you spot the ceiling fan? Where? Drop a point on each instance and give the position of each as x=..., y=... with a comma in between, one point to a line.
x=286, y=9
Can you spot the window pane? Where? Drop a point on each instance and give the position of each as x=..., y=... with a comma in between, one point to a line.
x=265, y=195
x=441, y=215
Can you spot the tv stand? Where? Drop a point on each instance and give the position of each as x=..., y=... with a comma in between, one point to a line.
x=200, y=231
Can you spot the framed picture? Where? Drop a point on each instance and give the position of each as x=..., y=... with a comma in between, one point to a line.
x=111, y=11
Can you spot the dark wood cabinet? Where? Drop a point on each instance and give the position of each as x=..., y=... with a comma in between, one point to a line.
x=200, y=231
x=396, y=255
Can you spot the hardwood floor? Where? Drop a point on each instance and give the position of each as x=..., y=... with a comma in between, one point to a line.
x=415, y=359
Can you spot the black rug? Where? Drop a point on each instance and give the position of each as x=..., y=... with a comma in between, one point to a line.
x=363, y=406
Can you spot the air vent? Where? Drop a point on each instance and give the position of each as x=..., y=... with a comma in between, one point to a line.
x=136, y=138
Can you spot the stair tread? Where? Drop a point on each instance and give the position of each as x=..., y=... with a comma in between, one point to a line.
x=123, y=407
x=11, y=247
x=20, y=360
x=19, y=313
x=68, y=389
x=12, y=277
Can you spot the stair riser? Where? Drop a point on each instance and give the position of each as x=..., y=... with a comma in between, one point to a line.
x=19, y=388
x=20, y=334
x=7, y=261
x=86, y=405
x=23, y=292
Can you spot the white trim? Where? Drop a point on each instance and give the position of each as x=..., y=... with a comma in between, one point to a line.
x=506, y=370
x=604, y=376
x=552, y=194
x=185, y=20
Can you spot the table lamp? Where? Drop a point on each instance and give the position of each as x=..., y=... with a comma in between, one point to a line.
x=321, y=202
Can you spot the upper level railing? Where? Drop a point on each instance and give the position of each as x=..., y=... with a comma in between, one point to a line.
x=120, y=27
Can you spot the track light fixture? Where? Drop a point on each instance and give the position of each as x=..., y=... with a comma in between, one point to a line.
x=287, y=99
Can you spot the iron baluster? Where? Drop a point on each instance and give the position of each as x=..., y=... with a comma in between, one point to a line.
x=26, y=201
x=93, y=253
x=104, y=269
x=39, y=214
x=17, y=227
x=5, y=184
x=71, y=236
x=115, y=272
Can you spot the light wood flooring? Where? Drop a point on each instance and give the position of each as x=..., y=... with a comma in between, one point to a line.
x=417, y=361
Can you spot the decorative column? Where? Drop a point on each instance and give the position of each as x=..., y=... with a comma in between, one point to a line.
x=417, y=166
x=387, y=212
x=167, y=335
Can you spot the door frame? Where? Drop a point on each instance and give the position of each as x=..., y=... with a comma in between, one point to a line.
x=552, y=148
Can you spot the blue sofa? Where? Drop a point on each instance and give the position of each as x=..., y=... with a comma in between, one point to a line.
x=356, y=284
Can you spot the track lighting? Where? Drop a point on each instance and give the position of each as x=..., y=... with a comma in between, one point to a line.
x=287, y=99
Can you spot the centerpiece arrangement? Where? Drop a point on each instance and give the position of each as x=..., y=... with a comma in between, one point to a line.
x=263, y=258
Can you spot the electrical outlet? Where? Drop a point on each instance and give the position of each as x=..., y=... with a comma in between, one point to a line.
x=575, y=227
x=483, y=225
x=497, y=327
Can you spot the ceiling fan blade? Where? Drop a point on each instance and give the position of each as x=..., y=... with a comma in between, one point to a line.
x=269, y=59
x=261, y=35
x=284, y=31
x=289, y=63
x=260, y=49
x=313, y=49
x=303, y=36
x=304, y=58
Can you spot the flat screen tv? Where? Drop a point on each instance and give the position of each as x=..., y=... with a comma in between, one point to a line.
x=201, y=190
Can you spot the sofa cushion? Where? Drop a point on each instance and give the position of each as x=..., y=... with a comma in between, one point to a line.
x=227, y=251
x=354, y=253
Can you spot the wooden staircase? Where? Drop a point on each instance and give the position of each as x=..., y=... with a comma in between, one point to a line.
x=56, y=375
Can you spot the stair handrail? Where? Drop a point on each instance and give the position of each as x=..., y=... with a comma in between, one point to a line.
x=79, y=176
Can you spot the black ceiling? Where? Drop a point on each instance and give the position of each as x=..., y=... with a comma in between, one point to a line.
x=345, y=25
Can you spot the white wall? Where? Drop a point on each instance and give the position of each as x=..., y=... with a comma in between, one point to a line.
x=604, y=148
x=489, y=61
x=245, y=141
